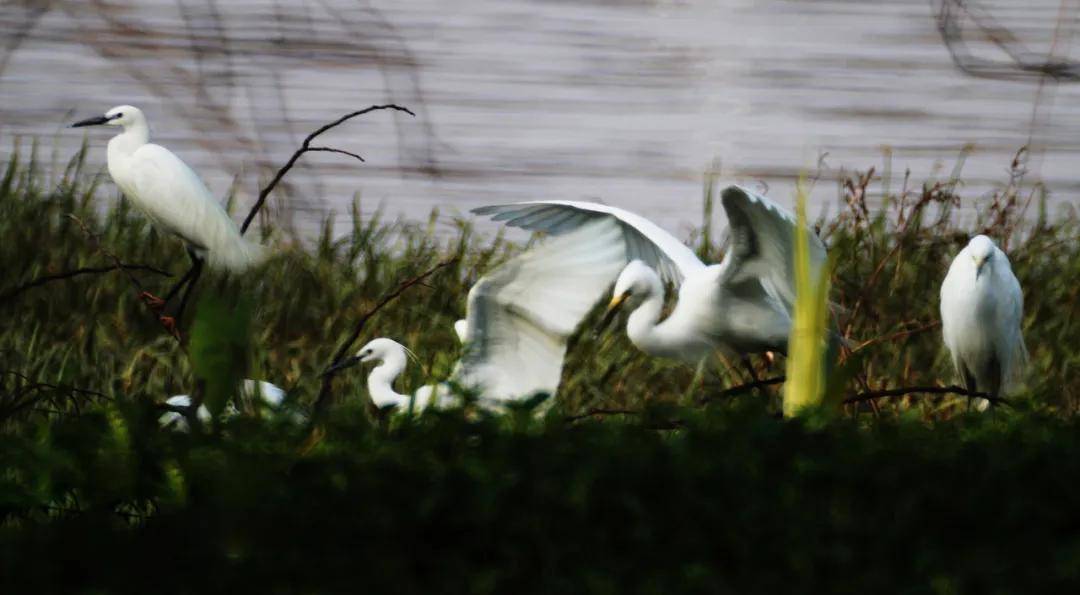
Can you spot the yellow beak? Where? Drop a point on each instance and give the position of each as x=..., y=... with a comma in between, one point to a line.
x=613, y=309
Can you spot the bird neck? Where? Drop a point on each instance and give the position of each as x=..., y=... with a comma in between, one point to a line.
x=133, y=137
x=380, y=382
x=644, y=328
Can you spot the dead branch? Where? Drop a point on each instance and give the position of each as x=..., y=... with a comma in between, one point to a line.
x=305, y=147
x=96, y=241
x=44, y=279
x=1022, y=62
x=742, y=388
x=932, y=390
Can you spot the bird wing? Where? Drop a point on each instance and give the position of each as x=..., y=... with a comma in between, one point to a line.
x=1009, y=322
x=643, y=239
x=763, y=244
x=174, y=196
x=521, y=314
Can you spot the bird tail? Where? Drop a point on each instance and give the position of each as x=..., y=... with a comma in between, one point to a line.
x=239, y=255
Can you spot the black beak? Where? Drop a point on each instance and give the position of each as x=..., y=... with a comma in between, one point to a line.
x=345, y=363
x=95, y=121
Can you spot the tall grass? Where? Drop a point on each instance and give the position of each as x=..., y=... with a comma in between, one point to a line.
x=891, y=251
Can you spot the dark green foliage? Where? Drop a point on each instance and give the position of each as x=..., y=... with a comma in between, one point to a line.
x=736, y=502
x=675, y=497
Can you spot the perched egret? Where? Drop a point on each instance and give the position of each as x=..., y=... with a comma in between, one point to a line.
x=742, y=305
x=269, y=394
x=171, y=194
x=517, y=323
x=981, y=311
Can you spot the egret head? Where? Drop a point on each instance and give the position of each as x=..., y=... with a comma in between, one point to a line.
x=376, y=350
x=123, y=115
x=981, y=250
x=380, y=350
x=636, y=282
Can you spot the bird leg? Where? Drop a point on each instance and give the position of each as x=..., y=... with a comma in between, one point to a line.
x=196, y=270
x=179, y=284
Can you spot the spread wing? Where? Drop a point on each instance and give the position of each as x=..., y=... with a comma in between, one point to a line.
x=520, y=315
x=762, y=246
x=642, y=239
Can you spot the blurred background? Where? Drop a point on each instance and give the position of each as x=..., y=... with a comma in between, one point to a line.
x=624, y=101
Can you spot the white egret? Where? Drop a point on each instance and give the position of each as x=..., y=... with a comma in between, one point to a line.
x=742, y=305
x=269, y=394
x=981, y=310
x=517, y=323
x=170, y=193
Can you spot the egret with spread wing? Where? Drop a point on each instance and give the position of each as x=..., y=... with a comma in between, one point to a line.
x=741, y=305
x=518, y=320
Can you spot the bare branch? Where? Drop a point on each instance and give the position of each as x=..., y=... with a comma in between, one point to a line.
x=306, y=147
x=119, y=265
x=333, y=150
x=42, y=280
x=743, y=388
x=932, y=390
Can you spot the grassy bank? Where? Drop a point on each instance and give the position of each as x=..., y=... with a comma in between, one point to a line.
x=903, y=494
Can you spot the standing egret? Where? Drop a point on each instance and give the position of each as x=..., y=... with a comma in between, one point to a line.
x=518, y=320
x=270, y=395
x=981, y=311
x=173, y=196
x=742, y=305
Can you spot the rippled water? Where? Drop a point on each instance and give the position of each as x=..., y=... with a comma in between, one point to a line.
x=622, y=101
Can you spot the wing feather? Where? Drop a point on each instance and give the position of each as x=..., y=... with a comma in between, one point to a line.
x=175, y=198
x=521, y=315
x=642, y=238
x=763, y=244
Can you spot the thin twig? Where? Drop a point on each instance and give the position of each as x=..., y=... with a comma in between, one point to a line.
x=120, y=265
x=895, y=336
x=38, y=282
x=306, y=147
x=329, y=372
x=743, y=388
x=932, y=390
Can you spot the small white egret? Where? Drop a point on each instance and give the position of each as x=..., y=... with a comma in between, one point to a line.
x=981, y=311
x=270, y=395
x=519, y=317
x=742, y=305
x=171, y=194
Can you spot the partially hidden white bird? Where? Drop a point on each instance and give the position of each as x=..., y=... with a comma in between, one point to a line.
x=269, y=394
x=518, y=320
x=982, y=309
x=171, y=194
x=742, y=305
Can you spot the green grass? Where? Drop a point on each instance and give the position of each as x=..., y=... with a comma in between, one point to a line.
x=907, y=495
x=92, y=333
